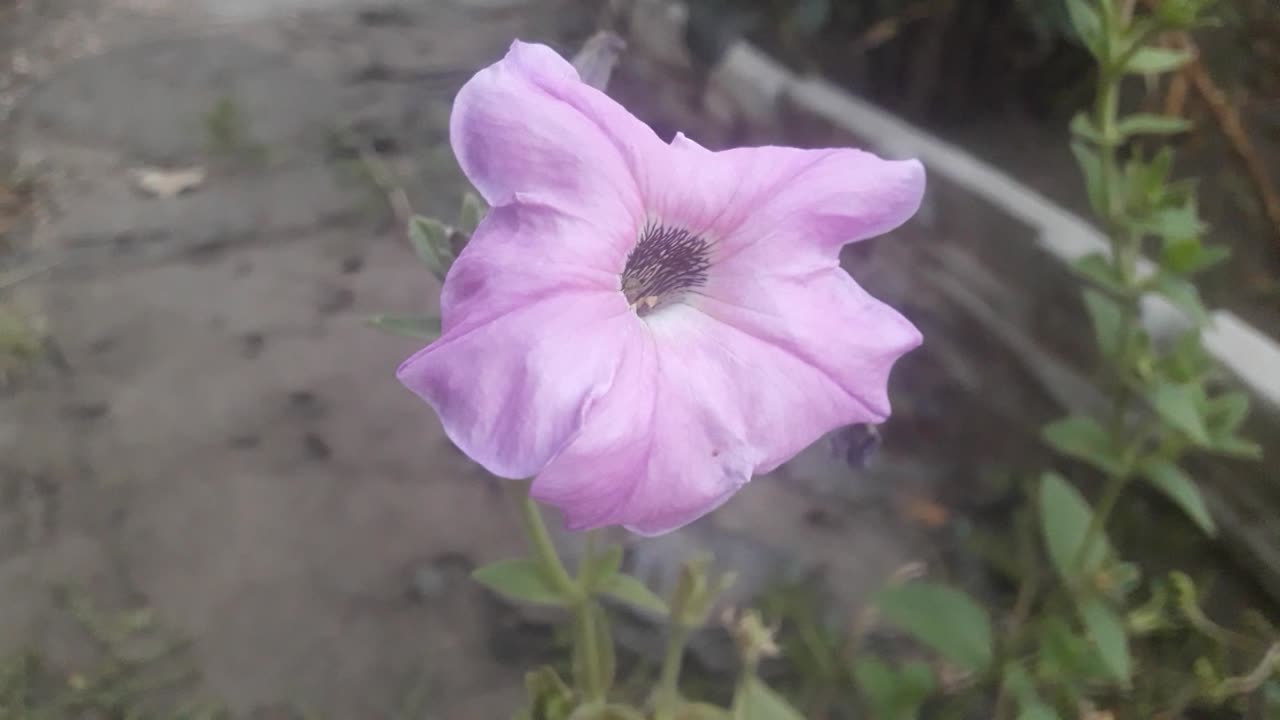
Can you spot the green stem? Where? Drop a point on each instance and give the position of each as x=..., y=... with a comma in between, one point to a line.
x=668, y=693
x=545, y=551
x=586, y=641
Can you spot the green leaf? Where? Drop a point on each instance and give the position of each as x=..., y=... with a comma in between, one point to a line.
x=1082, y=126
x=430, y=239
x=520, y=580
x=633, y=592
x=1225, y=413
x=945, y=619
x=1106, y=629
x=1171, y=480
x=1098, y=268
x=602, y=568
x=1188, y=255
x=1184, y=295
x=1108, y=323
x=1030, y=706
x=1146, y=124
x=1087, y=23
x=757, y=701
x=1065, y=517
x=1083, y=438
x=549, y=697
x=1156, y=60
x=893, y=694
x=1091, y=169
x=422, y=327
x=1238, y=447
x=1186, y=360
x=1180, y=405
x=472, y=212
x=1176, y=222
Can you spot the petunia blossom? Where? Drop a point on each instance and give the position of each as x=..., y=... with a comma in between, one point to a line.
x=643, y=326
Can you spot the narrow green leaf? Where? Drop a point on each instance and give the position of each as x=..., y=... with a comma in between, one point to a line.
x=1083, y=438
x=1146, y=124
x=1184, y=295
x=602, y=568
x=1097, y=267
x=1237, y=447
x=472, y=212
x=758, y=701
x=520, y=580
x=944, y=618
x=1091, y=169
x=1156, y=60
x=1106, y=629
x=1108, y=324
x=430, y=239
x=1082, y=126
x=633, y=592
x=1087, y=24
x=1065, y=517
x=1171, y=480
x=1180, y=406
x=422, y=327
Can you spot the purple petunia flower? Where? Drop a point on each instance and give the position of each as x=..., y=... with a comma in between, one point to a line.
x=643, y=326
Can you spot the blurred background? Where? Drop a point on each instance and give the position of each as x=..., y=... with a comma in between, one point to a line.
x=213, y=493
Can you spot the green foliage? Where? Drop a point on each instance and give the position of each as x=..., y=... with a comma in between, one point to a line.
x=944, y=618
x=1106, y=630
x=431, y=243
x=1178, y=486
x=757, y=701
x=894, y=694
x=633, y=592
x=522, y=580
x=1083, y=438
x=421, y=327
x=1066, y=520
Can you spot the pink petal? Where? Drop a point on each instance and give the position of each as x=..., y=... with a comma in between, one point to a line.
x=783, y=209
x=512, y=391
x=662, y=449
x=826, y=344
x=524, y=253
x=526, y=128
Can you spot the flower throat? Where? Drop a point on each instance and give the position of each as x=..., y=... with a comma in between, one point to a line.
x=666, y=263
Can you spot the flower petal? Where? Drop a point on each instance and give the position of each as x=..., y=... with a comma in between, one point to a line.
x=662, y=449
x=809, y=354
x=512, y=391
x=522, y=253
x=527, y=127
x=783, y=209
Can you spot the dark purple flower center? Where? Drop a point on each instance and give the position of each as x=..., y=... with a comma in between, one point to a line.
x=665, y=264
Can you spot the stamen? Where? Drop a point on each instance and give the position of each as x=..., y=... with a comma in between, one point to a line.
x=664, y=264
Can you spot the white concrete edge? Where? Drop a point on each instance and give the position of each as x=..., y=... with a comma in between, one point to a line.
x=1250, y=354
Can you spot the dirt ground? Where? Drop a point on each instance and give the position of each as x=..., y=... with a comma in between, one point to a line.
x=212, y=431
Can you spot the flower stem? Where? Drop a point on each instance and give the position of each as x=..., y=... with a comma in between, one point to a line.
x=587, y=643
x=544, y=550
x=668, y=692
